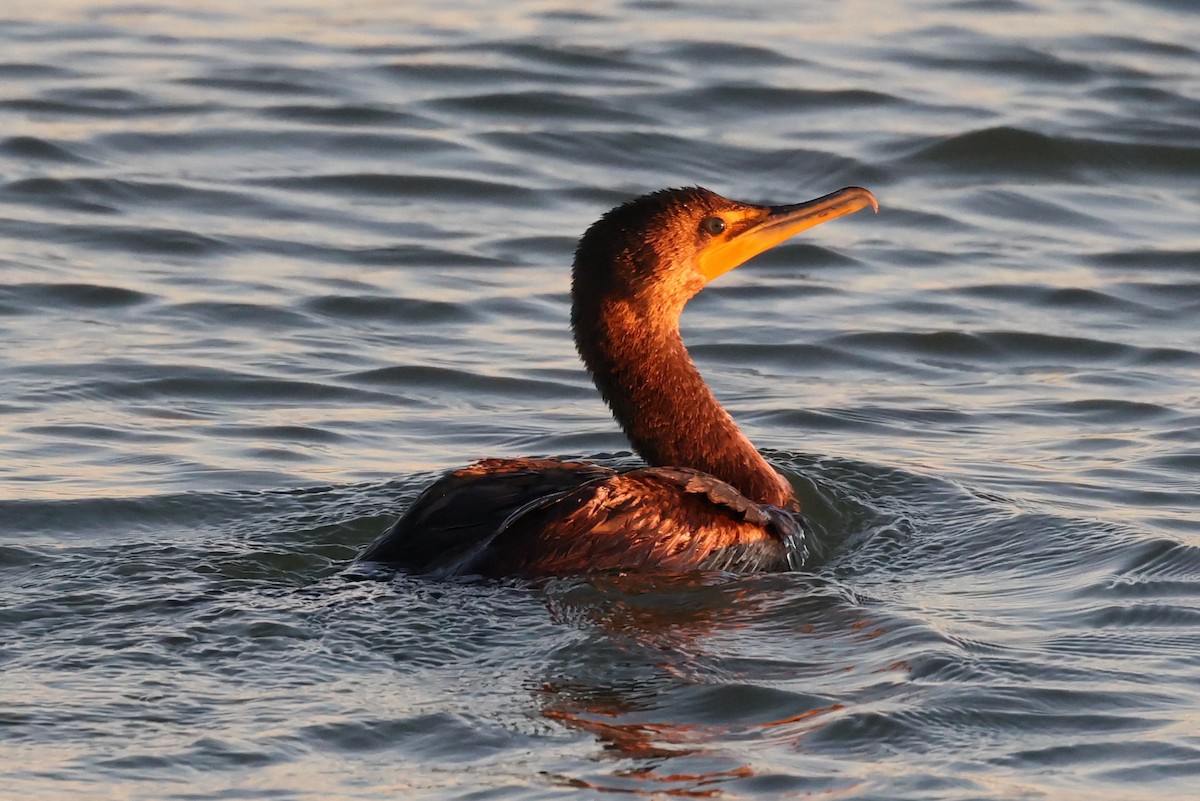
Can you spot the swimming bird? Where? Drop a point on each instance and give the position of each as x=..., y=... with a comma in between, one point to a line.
x=707, y=500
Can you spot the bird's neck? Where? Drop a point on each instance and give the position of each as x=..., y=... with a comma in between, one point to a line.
x=671, y=417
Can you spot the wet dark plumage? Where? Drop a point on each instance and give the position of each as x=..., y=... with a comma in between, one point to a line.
x=708, y=500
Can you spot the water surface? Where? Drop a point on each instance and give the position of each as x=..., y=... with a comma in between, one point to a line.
x=265, y=272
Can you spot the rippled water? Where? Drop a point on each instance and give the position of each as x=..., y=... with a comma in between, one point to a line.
x=266, y=271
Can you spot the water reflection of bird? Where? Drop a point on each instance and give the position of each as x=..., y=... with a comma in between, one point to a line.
x=708, y=500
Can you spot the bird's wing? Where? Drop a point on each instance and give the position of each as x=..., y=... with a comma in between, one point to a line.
x=467, y=506
x=661, y=519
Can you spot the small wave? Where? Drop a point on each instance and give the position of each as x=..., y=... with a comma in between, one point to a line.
x=344, y=115
x=1013, y=151
x=127, y=238
x=26, y=297
x=739, y=54
x=741, y=99
x=540, y=105
x=453, y=380
x=1013, y=347
x=441, y=187
x=390, y=310
x=267, y=80
x=17, y=71
x=36, y=149
x=109, y=195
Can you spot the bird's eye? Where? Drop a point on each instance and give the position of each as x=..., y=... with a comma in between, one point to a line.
x=712, y=225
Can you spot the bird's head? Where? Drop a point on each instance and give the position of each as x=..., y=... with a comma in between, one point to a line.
x=655, y=252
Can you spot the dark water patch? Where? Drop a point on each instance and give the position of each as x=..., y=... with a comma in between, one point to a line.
x=13, y=70
x=559, y=15
x=940, y=344
x=432, y=377
x=266, y=79
x=1106, y=410
x=122, y=238
x=1015, y=61
x=56, y=194
x=107, y=195
x=1152, y=259
x=608, y=147
x=927, y=309
x=540, y=105
x=943, y=221
x=817, y=171
x=521, y=61
x=1185, y=434
x=25, y=298
x=816, y=359
x=941, y=422
x=1098, y=753
x=344, y=115
x=1106, y=44
x=124, y=515
x=442, y=736
x=16, y=556
x=728, y=53
x=459, y=75
x=227, y=386
x=1173, y=5
x=1014, y=347
x=1057, y=298
x=37, y=149
x=1160, y=101
x=836, y=419
x=557, y=249
x=1001, y=7
x=689, y=162
x=237, y=315
x=581, y=59
x=967, y=663
x=97, y=96
x=1141, y=617
x=29, y=30
x=745, y=98
x=95, y=433
x=296, y=537
x=1179, y=296
x=82, y=107
x=1155, y=650
x=425, y=187
x=400, y=256
x=1002, y=149
x=128, y=381
x=1175, y=463
x=1129, y=487
x=1160, y=560
x=934, y=726
x=307, y=434
x=1041, y=211
x=226, y=141
x=541, y=314
x=1015, y=151
x=390, y=310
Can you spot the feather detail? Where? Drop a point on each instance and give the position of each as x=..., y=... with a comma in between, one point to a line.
x=547, y=517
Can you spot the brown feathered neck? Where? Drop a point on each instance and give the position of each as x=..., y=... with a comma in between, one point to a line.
x=634, y=272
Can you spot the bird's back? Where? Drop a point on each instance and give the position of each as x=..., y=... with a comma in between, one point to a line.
x=546, y=517
x=465, y=507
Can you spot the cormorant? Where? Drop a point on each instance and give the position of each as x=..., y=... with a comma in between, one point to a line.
x=708, y=499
